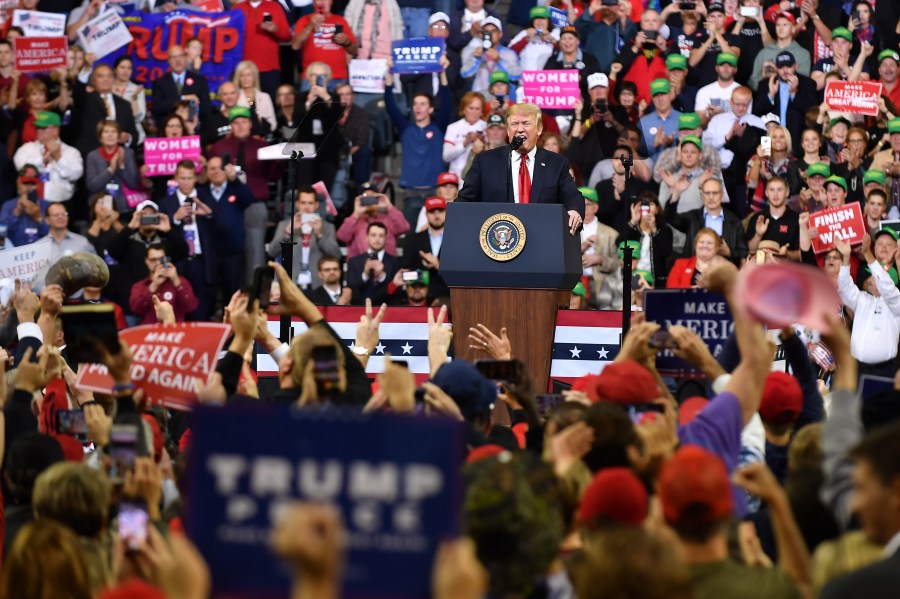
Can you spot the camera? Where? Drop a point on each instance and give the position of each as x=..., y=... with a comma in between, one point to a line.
x=320, y=80
x=410, y=276
x=627, y=163
x=165, y=262
x=748, y=11
x=650, y=34
x=687, y=5
x=487, y=41
x=601, y=106
x=369, y=200
x=149, y=219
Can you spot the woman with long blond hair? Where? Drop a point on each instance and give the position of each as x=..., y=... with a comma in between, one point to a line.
x=246, y=78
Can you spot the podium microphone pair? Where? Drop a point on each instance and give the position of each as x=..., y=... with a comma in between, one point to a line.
x=515, y=143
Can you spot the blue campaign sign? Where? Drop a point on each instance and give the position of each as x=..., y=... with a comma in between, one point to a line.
x=558, y=17
x=395, y=479
x=417, y=55
x=871, y=385
x=704, y=312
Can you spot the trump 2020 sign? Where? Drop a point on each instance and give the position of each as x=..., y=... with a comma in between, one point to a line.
x=394, y=478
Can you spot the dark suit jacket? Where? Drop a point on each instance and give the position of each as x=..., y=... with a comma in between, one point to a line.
x=370, y=289
x=877, y=581
x=227, y=217
x=692, y=221
x=166, y=96
x=169, y=204
x=414, y=243
x=457, y=39
x=551, y=182
x=320, y=297
x=91, y=110
x=805, y=98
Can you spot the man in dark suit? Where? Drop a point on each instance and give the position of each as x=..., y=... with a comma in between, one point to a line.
x=179, y=84
x=100, y=105
x=712, y=216
x=801, y=96
x=471, y=16
x=194, y=219
x=423, y=250
x=876, y=502
x=330, y=292
x=533, y=175
x=369, y=274
x=228, y=198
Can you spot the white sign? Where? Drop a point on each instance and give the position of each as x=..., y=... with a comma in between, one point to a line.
x=40, y=24
x=104, y=33
x=367, y=76
x=27, y=262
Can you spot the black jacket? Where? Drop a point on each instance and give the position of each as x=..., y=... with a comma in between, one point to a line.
x=692, y=221
x=805, y=98
x=362, y=290
x=90, y=110
x=166, y=95
x=412, y=245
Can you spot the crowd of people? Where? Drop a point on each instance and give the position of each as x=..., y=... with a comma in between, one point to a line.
x=701, y=143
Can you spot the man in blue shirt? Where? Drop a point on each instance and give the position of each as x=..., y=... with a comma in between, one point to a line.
x=23, y=215
x=659, y=129
x=604, y=38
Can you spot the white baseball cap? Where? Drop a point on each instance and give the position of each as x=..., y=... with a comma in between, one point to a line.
x=771, y=117
x=437, y=17
x=492, y=21
x=595, y=79
x=147, y=203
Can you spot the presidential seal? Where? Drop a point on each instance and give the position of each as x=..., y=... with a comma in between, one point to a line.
x=502, y=237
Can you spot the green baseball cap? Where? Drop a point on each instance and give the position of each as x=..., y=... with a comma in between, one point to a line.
x=875, y=177
x=688, y=120
x=838, y=120
x=47, y=119
x=635, y=249
x=423, y=277
x=892, y=271
x=842, y=32
x=498, y=76
x=818, y=168
x=727, y=57
x=893, y=125
x=884, y=230
x=579, y=290
x=676, y=62
x=648, y=276
x=837, y=181
x=590, y=194
x=660, y=86
x=692, y=139
x=539, y=12
x=885, y=54
x=238, y=112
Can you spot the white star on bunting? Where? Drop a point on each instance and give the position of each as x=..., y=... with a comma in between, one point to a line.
x=576, y=353
x=379, y=349
x=603, y=353
x=406, y=348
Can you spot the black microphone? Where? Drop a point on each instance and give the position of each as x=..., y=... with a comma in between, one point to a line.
x=516, y=142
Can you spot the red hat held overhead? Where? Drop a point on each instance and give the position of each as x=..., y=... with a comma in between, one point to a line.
x=782, y=399
x=694, y=487
x=624, y=382
x=445, y=178
x=435, y=203
x=689, y=409
x=615, y=494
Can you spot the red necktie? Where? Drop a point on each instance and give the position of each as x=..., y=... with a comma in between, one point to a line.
x=524, y=181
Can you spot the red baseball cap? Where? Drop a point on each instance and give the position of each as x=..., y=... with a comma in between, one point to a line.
x=689, y=409
x=624, y=382
x=614, y=494
x=132, y=589
x=694, y=487
x=435, y=203
x=484, y=452
x=445, y=178
x=782, y=399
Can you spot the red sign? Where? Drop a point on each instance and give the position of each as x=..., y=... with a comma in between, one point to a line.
x=210, y=5
x=844, y=222
x=857, y=97
x=40, y=54
x=169, y=361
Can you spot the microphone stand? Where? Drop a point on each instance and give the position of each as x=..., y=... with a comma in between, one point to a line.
x=515, y=144
x=288, y=243
x=626, y=268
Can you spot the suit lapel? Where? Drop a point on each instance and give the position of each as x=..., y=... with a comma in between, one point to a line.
x=537, y=179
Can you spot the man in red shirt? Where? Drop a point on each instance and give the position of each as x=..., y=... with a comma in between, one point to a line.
x=266, y=26
x=888, y=63
x=324, y=37
x=162, y=282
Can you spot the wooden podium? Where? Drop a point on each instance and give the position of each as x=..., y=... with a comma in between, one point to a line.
x=521, y=292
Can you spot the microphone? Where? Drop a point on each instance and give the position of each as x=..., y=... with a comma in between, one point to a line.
x=516, y=142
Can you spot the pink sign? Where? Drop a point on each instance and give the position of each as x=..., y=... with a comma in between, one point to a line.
x=553, y=89
x=856, y=97
x=162, y=154
x=135, y=196
x=845, y=222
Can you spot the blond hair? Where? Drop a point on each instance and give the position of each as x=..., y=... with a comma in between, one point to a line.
x=526, y=109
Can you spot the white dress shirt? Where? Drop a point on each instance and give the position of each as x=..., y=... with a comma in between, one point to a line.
x=515, y=158
x=190, y=228
x=62, y=173
x=720, y=126
x=876, y=324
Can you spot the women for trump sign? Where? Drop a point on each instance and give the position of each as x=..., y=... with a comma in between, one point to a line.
x=551, y=89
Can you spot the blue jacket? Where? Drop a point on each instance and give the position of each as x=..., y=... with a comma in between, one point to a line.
x=423, y=148
x=227, y=216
